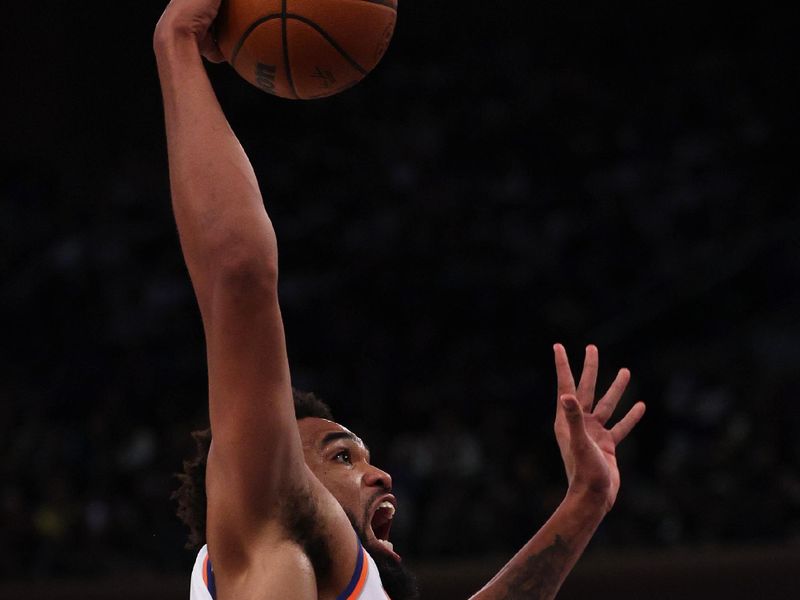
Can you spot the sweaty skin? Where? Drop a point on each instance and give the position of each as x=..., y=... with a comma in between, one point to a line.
x=265, y=470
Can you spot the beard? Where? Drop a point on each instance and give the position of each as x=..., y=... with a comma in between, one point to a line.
x=399, y=582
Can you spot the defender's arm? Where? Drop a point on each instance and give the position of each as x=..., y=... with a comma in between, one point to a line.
x=588, y=449
x=537, y=571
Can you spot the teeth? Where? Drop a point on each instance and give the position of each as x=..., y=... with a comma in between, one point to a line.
x=387, y=505
x=388, y=544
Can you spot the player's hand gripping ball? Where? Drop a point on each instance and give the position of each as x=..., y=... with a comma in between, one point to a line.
x=304, y=49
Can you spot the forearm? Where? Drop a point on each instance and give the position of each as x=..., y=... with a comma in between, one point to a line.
x=216, y=200
x=537, y=571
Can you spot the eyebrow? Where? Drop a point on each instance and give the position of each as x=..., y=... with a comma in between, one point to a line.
x=344, y=435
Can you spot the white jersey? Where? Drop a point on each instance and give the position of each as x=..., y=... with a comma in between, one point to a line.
x=365, y=584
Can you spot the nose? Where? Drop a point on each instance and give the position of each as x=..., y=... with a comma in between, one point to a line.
x=375, y=477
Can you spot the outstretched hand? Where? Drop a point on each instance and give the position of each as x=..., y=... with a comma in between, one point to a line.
x=194, y=18
x=588, y=447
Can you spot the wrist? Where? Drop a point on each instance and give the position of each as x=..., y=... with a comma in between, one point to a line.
x=586, y=505
x=170, y=37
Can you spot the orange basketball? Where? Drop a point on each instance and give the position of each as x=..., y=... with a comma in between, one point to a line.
x=305, y=49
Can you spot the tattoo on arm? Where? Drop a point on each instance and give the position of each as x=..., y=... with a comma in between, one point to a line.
x=541, y=574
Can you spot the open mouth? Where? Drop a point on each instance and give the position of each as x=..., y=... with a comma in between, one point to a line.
x=381, y=523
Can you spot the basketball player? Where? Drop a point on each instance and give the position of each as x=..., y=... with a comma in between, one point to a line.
x=295, y=509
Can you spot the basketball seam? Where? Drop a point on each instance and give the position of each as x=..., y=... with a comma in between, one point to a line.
x=330, y=40
x=247, y=33
x=285, y=42
x=284, y=16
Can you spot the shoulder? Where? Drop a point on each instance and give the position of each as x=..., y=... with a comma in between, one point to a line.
x=282, y=569
x=308, y=539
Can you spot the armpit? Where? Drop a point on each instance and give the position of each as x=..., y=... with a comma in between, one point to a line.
x=300, y=515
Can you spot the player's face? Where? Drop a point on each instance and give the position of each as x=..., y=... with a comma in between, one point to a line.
x=341, y=462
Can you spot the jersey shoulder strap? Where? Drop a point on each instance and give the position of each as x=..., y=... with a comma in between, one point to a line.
x=365, y=584
x=202, y=583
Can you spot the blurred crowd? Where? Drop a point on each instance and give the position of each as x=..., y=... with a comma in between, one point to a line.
x=440, y=226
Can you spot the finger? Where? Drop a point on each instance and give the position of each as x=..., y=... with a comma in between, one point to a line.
x=566, y=383
x=210, y=50
x=574, y=415
x=214, y=55
x=608, y=403
x=588, y=378
x=621, y=430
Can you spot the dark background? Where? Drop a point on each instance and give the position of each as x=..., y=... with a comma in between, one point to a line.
x=510, y=176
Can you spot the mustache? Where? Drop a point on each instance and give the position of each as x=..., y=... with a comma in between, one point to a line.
x=361, y=526
x=371, y=503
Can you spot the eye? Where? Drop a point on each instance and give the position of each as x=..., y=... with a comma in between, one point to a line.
x=343, y=456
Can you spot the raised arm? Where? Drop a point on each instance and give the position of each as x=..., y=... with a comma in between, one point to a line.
x=229, y=246
x=588, y=449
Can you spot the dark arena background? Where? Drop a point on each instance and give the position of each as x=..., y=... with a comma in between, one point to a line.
x=510, y=176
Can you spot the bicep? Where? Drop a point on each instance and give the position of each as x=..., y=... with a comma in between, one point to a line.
x=256, y=451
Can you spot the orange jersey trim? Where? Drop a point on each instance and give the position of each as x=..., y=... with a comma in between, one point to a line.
x=362, y=578
x=359, y=578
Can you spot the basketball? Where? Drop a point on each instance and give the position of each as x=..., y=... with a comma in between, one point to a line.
x=304, y=49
